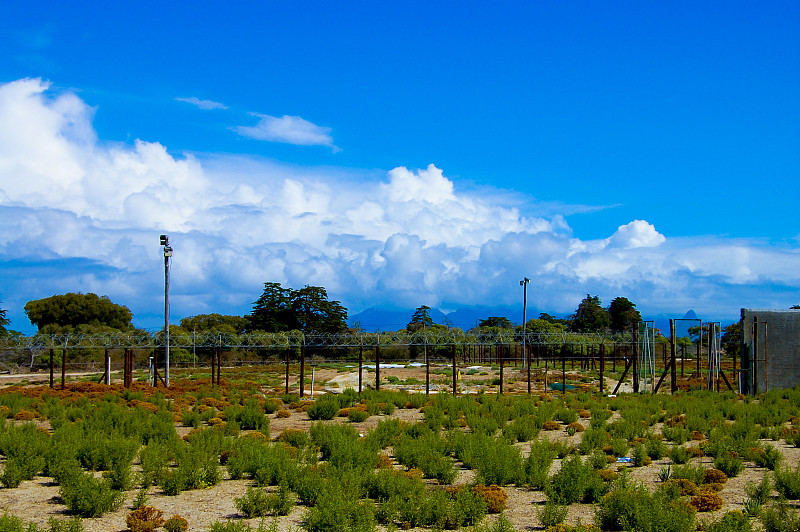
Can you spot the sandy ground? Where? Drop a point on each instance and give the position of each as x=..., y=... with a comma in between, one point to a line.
x=38, y=500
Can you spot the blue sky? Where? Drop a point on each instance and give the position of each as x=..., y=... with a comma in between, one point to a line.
x=402, y=154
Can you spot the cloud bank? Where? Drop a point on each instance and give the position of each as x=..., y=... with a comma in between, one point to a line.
x=78, y=213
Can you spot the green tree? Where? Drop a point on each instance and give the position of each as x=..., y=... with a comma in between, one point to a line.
x=272, y=311
x=314, y=313
x=622, y=315
x=3, y=322
x=421, y=319
x=215, y=322
x=496, y=321
x=66, y=312
x=540, y=326
x=590, y=316
x=552, y=319
x=308, y=309
x=732, y=339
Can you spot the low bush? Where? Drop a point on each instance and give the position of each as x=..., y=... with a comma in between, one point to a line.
x=551, y=513
x=576, y=481
x=253, y=503
x=336, y=510
x=144, y=519
x=494, y=460
x=536, y=466
x=176, y=523
x=429, y=452
x=734, y=521
x=325, y=407
x=87, y=496
x=494, y=496
x=768, y=457
x=780, y=517
x=679, y=455
x=706, y=501
x=634, y=508
x=729, y=462
x=695, y=474
x=787, y=482
x=357, y=415
x=257, y=503
x=640, y=457
x=714, y=476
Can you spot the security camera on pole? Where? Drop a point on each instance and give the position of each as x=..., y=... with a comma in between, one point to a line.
x=167, y=255
x=524, y=284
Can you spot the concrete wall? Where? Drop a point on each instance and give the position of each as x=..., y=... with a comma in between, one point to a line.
x=770, y=349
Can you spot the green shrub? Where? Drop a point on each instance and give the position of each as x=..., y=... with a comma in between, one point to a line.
x=11, y=523
x=73, y=524
x=253, y=503
x=768, y=457
x=679, y=454
x=336, y=510
x=429, y=452
x=524, y=428
x=24, y=446
x=191, y=419
x=154, y=459
x=551, y=513
x=758, y=493
x=635, y=508
x=230, y=526
x=87, y=496
x=259, y=459
x=734, y=521
x=695, y=474
x=787, y=482
x=388, y=483
x=656, y=449
x=385, y=433
x=494, y=460
x=342, y=446
x=780, y=517
x=593, y=439
x=566, y=416
x=576, y=481
x=438, y=509
x=677, y=435
x=536, y=467
x=357, y=415
x=729, y=462
x=250, y=416
x=325, y=407
x=640, y=457
x=176, y=523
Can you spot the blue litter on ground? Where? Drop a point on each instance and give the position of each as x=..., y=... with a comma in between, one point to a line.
x=560, y=387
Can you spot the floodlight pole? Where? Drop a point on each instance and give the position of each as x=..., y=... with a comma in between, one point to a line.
x=524, y=284
x=167, y=255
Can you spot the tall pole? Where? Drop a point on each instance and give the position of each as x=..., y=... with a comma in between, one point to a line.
x=524, y=284
x=167, y=255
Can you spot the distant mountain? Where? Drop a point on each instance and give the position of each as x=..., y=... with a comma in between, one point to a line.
x=691, y=315
x=468, y=317
x=381, y=319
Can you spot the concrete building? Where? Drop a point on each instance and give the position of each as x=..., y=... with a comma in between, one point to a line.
x=770, y=349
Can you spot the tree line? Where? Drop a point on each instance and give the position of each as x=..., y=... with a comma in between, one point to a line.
x=308, y=309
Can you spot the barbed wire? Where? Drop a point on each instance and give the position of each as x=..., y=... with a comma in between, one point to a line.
x=291, y=339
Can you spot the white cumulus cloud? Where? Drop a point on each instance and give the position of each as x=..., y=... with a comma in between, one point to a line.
x=637, y=234
x=80, y=214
